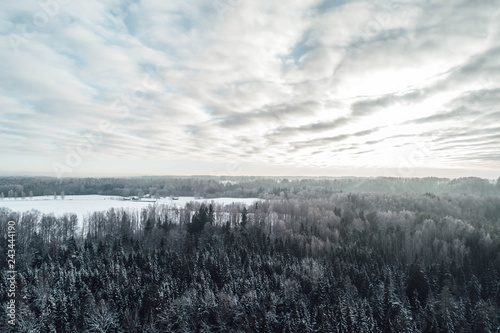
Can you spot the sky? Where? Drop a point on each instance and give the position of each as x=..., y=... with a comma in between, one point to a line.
x=239, y=87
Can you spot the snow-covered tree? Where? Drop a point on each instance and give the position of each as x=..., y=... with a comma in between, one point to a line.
x=101, y=319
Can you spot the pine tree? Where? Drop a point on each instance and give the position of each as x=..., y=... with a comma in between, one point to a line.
x=26, y=321
x=198, y=221
x=61, y=317
x=484, y=318
x=417, y=281
x=244, y=217
x=211, y=214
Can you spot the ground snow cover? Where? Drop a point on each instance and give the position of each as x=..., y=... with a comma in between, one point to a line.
x=84, y=205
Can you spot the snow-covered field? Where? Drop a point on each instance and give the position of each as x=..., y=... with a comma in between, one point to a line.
x=82, y=205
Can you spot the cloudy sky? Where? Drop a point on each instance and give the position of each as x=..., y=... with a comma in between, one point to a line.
x=240, y=87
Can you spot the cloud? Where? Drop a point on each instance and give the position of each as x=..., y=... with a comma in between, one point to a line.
x=309, y=83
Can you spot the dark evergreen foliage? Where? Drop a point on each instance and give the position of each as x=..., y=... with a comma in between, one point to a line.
x=349, y=263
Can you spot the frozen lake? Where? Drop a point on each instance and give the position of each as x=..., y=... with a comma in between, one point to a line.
x=82, y=205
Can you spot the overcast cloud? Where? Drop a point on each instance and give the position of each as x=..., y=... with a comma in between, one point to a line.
x=306, y=87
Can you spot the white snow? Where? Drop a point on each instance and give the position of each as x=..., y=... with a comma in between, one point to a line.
x=83, y=205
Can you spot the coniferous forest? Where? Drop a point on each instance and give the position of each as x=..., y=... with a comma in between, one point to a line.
x=308, y=259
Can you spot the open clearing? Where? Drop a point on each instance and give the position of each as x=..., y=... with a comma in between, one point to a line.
x=83, y=205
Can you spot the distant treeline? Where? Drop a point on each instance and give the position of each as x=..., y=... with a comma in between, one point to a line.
x=241, y=187
x=350, y=262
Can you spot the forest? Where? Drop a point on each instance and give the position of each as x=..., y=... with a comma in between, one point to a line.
x=311, y=256
x=241, y=187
